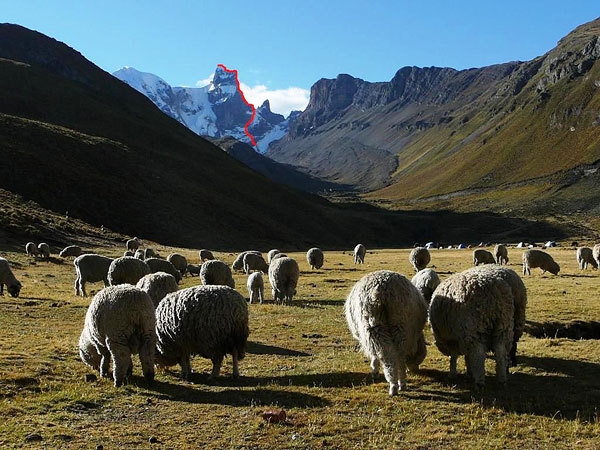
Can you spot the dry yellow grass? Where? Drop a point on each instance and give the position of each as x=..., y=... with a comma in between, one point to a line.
x=301, y=358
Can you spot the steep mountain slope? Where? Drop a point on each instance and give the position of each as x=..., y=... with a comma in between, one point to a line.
x=437, y=136
x=215, y=110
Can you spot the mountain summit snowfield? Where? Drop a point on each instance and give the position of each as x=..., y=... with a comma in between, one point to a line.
x=215, y=110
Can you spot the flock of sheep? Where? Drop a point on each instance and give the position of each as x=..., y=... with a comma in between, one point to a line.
x=141, y=309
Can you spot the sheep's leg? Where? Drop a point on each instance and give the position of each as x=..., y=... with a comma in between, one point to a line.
x=104, y=361
x=216, y=369
x=476, y=364
x=146, y=355
x=374, y=368
x=401, y=369
x=236, y=369
x=390, y=371
x=261, y=295
x=77, y=280
x=186, y=367
x=453, y=359
x=252, y=296
x=501, y=353
x=121, y=359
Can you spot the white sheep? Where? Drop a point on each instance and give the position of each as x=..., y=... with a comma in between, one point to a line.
x=238, y=264
x=205, y=255
x=315, y=258
x=278, y=255
x=157, y=285
x=119, y=322
x=252, y=261
x=88, y=351
x=179, y=261
x=386, y=314
x=472, y=312
x=359, y=254
x=596, y=254
x=44, y=250
x=90, y=268
x=133, y=244
x=13, y=286
x=283, y=276
x=256, y=287
x=538, y=258
x=419, y=258
x=127, y=270
x=31, y=249
x=139, y=254
x=426, y=280
x=482, y=256
x=501, y=254
x=150, y=253
x=71, y=250
x=585, y=256
x=162, y=265
x=215, y=271
x=272, y=253
x=209, y=321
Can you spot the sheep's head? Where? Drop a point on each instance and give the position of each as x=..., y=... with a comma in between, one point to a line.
x=163, y=359
x=413, y=361
x=14, y=289
x=554, y=268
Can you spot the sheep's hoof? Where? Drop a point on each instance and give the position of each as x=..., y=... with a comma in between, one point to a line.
x=394, y=389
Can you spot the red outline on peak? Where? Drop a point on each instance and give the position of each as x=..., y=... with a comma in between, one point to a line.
x=252, y=140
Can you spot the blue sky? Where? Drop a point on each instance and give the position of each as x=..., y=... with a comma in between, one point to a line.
x=280, y=48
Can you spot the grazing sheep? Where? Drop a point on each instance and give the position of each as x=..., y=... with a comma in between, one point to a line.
x=139, y=254
x=472, y=312
x=209, y=321
x=149, y=253
x=238, y=264
x=215, y=271
x=162, y=265
x=133, y=244
x=519, y=292
x=272, y=253
x=419, y=258
x=193, y=270
x=585, y=256
x=90, y=268
x=315, y=258
x=179, y=261
x=119, y=322
x=157, y=285
x=252, y=261
x=481, y=256
x=278, y=255
x=256, y=287
x=127, y=270
x=44, y=250
x=87, y=350
x=283, y=276
x=205, y=255
x=13, y=286
x=359, y=254
x=386, y=314
x=426, y=281
x=596, y=254
x=71, y=250
x=31, y=249
x=501, y=254
x=541, y=259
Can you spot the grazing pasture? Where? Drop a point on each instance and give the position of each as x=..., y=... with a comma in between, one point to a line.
x=301, y=358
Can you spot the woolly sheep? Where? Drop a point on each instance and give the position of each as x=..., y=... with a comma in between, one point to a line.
x=127, y=270
x=90, y=268
x=278, y=255
x=13, y=286
x=359, y=254
x=157, y=285
x=419, y=258
x=133, y=244
x=238, y=264
x=256, y=287
x=519, y=293
x=31, y=249
x=314, y=257
x=150, y=253
x=71, y=250
x=87, y=351
x=272, y=253
x=283, y=276
x=129, y=253
x=193, y=270
x=501, y=254
x=179, y=261
x=481, y=256
x=585, y=256
x=596, y=254
x=252, y=261
x=44, y=250
x=209, y=321
x=470, y=313
x=215, y=271
x=541, y=259
x=139, y=254
x=426, y=281
x=386, y=314
x=205, y=255
x=162, y=265
x=119, y=322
